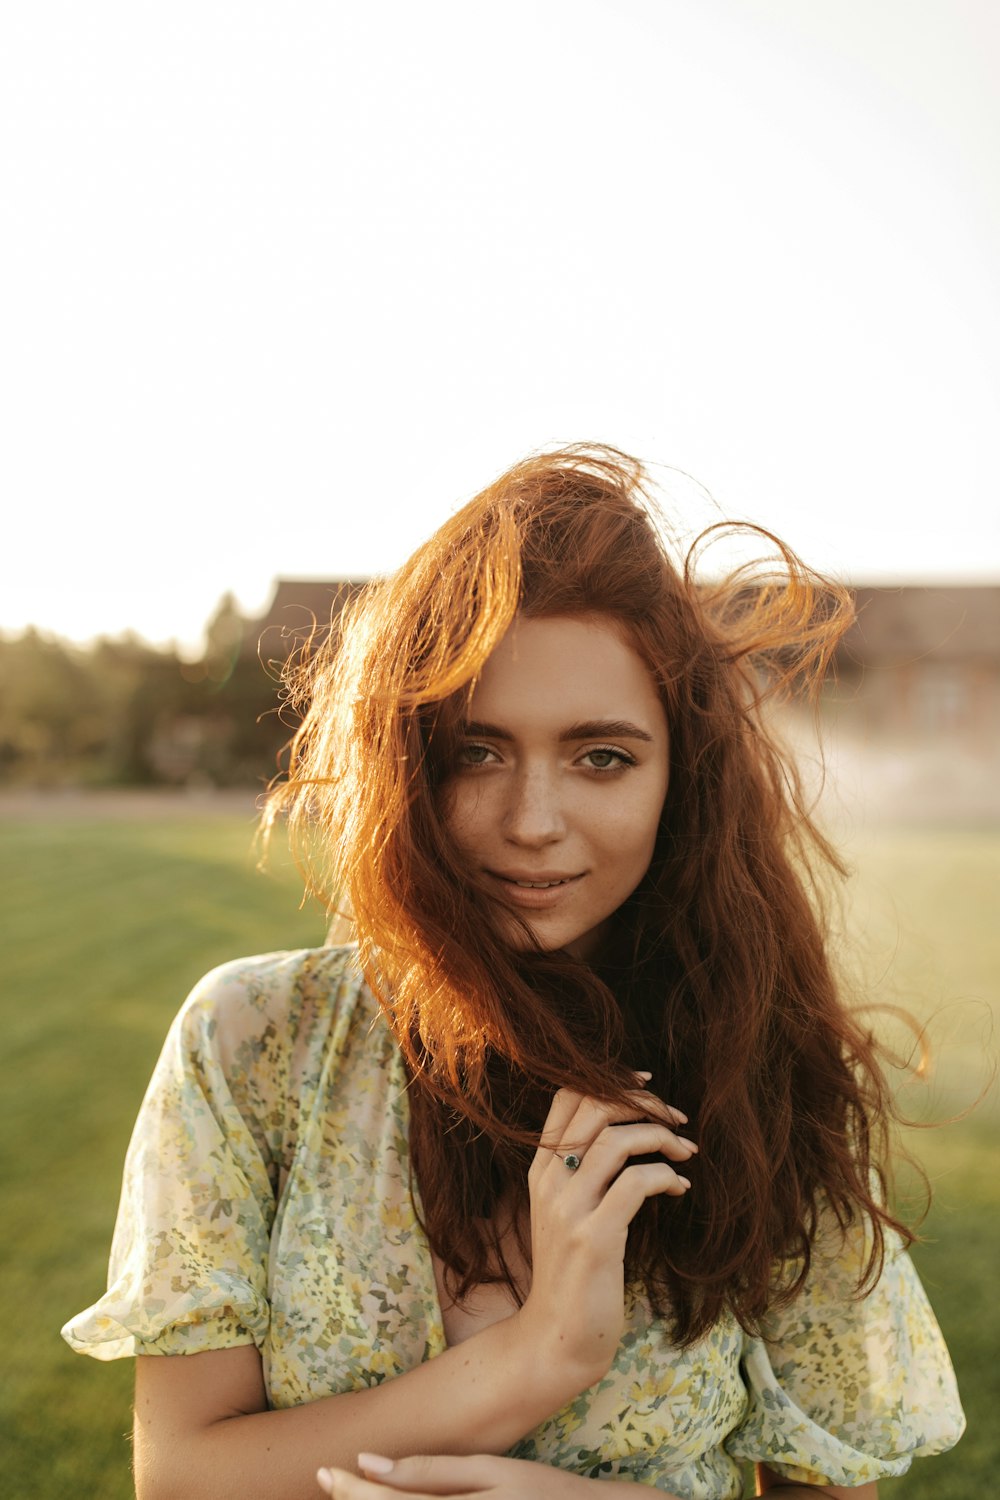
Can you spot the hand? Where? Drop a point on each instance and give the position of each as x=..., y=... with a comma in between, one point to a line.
x=574, y=1314
x=424, y=1476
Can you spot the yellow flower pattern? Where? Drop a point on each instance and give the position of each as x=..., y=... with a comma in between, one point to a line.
x=266, y=1201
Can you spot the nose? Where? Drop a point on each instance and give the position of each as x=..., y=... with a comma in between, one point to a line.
x=534, y=814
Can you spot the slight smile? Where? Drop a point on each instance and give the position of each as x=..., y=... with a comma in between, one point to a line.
x=535, y=892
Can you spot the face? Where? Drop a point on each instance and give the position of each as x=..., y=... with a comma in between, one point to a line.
x=561, y=777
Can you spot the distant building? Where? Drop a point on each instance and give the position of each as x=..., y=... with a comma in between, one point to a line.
x=299, y=607
x=921, y=661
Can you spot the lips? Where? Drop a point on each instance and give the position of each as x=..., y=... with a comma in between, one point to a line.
x=535, y=891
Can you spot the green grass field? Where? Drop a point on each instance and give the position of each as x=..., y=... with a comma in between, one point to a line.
x=109, y=923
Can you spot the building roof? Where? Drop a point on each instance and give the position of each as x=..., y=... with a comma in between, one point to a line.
x=948, y=623
x=299, y=606
x=894, y=624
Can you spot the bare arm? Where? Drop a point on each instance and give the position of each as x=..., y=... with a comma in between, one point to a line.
x=510, y=1479
x=202, y=1427
x=492, y=1478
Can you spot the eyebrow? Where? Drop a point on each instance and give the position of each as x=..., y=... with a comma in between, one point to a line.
x=589, y=729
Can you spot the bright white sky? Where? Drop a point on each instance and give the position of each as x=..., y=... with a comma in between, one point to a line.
x=283, y=284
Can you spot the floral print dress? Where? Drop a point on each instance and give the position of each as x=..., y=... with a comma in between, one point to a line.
x=266, y=1201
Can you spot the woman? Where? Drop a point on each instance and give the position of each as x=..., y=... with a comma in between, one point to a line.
x=439, y=1193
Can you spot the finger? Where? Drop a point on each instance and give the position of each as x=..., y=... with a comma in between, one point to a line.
x=659, y=1106
x=564, y=1106
x=437, y=1474
x=679, y=1117
x=631, y=1188
x=610, y=1150
x=565, y=1103
x=614, y=1152
x=652, y=1104
x=344, y=1486
x=592, y=1116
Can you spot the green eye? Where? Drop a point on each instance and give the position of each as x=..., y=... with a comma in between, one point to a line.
x=608, y=760
x=474, y=755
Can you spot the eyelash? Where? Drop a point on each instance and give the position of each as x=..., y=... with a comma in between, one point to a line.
x=621, y=757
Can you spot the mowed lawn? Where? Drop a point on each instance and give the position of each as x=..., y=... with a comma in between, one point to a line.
x=110, y=920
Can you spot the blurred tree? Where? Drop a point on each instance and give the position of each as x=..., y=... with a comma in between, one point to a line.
x=223, y=639
x=54, y=709
x=123, y=712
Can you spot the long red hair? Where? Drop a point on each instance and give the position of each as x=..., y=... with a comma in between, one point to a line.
x=717, y=977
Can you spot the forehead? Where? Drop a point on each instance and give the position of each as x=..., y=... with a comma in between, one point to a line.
x=565, y=668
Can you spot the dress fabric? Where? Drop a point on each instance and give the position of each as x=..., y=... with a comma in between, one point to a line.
x=266, y=1201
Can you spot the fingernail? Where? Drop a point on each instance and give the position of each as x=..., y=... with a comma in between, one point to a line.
x=680, y=1115
x=685, y=1181
x=646, y=1077
x=325, y=1479
x=375, y=1463
x=685, y=1142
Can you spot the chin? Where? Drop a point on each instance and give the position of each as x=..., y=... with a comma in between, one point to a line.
x=584, y=945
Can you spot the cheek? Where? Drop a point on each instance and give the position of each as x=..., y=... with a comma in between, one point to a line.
x=462, y=812
x=629, y=835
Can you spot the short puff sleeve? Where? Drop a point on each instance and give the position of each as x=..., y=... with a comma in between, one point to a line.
x=844, y=1389
x=189, y=1257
